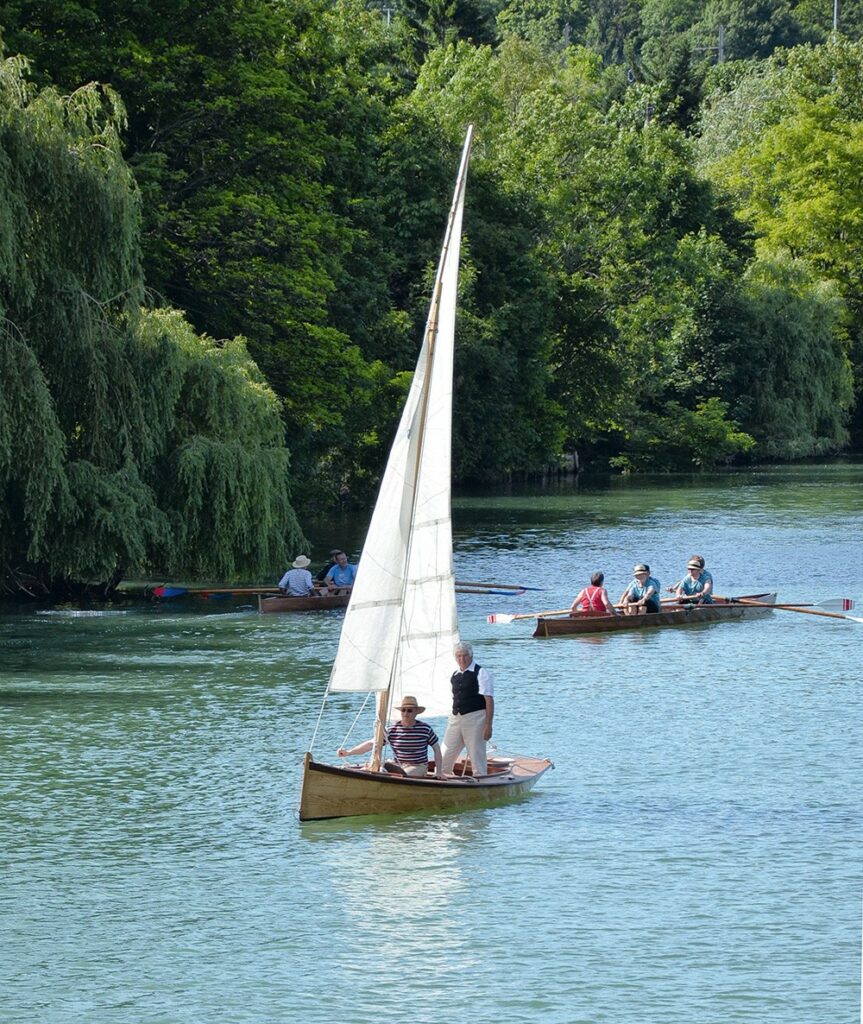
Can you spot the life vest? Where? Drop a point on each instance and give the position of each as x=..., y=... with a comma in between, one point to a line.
x=465, y=692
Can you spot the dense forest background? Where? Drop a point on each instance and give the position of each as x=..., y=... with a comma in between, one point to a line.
x=219, y=225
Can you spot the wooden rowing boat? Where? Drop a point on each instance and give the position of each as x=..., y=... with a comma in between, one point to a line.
x=335, y=791
x=722, y=610
x=312, y=603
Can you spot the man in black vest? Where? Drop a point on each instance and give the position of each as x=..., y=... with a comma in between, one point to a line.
x=470, y=724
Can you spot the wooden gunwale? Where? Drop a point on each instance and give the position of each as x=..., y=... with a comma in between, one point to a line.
x=336, y=791
x=721, y=610
x=303, y=604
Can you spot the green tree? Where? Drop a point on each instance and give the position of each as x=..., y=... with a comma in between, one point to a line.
x=792, y=171
x=127, y=442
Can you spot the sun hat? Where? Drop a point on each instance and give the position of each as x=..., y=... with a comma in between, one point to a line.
x=641, y=567
x=410, y=702
x=301, y=563
x=693, y=563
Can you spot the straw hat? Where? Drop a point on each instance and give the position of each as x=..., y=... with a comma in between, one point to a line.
x=693, y=563
x=641, y=567
x=301, y=563
x=410, y=702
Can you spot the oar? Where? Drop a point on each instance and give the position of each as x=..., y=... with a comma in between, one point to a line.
x=834, y=604
x=495, y=586
x=501, y=618
x=167, y=591
x=793, y=608
x=486, y=590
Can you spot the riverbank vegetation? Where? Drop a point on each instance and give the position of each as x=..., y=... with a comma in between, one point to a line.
x=661, y=267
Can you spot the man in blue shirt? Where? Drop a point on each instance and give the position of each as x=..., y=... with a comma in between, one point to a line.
x=342, y=574
x=643, y=593
x=697, y=585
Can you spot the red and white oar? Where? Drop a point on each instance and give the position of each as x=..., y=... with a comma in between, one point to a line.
x=809, y=609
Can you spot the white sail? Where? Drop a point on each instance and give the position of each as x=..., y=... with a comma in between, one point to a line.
x=401, y=626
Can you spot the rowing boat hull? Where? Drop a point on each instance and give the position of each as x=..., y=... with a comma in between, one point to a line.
x=334, y=791
x=671, y=615
x=303, y=604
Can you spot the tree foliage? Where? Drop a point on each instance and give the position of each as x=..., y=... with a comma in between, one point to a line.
x=660, y=252
x=124, y=437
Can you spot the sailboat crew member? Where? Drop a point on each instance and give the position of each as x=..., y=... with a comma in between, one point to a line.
x=470, y=724
x=409, y=739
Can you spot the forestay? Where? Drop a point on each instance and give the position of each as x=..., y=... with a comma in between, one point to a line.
x=401, y=625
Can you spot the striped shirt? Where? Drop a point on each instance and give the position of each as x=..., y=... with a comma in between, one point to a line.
x=297, y=582
x=410, y=743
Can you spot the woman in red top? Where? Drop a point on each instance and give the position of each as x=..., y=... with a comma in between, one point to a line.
x=593, y=600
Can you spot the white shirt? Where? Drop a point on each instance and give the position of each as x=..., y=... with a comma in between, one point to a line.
x=484, y=678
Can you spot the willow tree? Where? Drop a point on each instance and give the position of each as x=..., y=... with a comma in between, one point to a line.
x=127, y=442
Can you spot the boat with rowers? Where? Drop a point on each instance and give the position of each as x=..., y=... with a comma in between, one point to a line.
x=723, y=609
x=401, y=626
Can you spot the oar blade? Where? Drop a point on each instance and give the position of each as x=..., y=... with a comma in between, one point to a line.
x=500, y=618
x=837, y=604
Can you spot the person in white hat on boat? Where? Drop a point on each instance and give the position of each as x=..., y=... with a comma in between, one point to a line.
x=297, y=581
x=409, y=739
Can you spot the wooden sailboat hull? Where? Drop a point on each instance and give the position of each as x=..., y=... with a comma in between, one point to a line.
x=722, y=610
x=334, y=791
x=303, y=604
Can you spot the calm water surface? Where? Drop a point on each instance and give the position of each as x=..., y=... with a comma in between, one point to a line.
x=695, y=856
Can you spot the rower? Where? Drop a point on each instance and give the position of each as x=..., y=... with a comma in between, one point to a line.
x=697, y=586
x=642, y=594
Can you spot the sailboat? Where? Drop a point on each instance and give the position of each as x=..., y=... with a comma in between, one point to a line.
x=401, y=626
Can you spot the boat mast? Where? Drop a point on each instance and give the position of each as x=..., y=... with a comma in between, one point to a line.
x=431, y=333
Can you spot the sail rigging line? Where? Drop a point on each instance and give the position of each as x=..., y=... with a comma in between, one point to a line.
x=430, y=343
x=311, y=745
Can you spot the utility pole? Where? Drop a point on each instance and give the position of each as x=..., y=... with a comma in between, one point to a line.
x=389, y=12
x=835, y=17
x=720, y=47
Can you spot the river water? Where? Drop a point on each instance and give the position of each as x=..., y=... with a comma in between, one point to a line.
x=695, y=856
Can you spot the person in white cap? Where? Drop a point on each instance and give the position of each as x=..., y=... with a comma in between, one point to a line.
x=409, y=739
x=642, y=595
x=297, y=581
x=696, y=587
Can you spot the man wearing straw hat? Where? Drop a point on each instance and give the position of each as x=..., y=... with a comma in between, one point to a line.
x=409, y=739
x=297, y=581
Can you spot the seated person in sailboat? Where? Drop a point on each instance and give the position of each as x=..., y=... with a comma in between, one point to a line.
x=342, y=574
x=593, y=600
x=297, y=581
x=643, y=593
x=470, y=724
x=409, y=740
x=697, y=586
